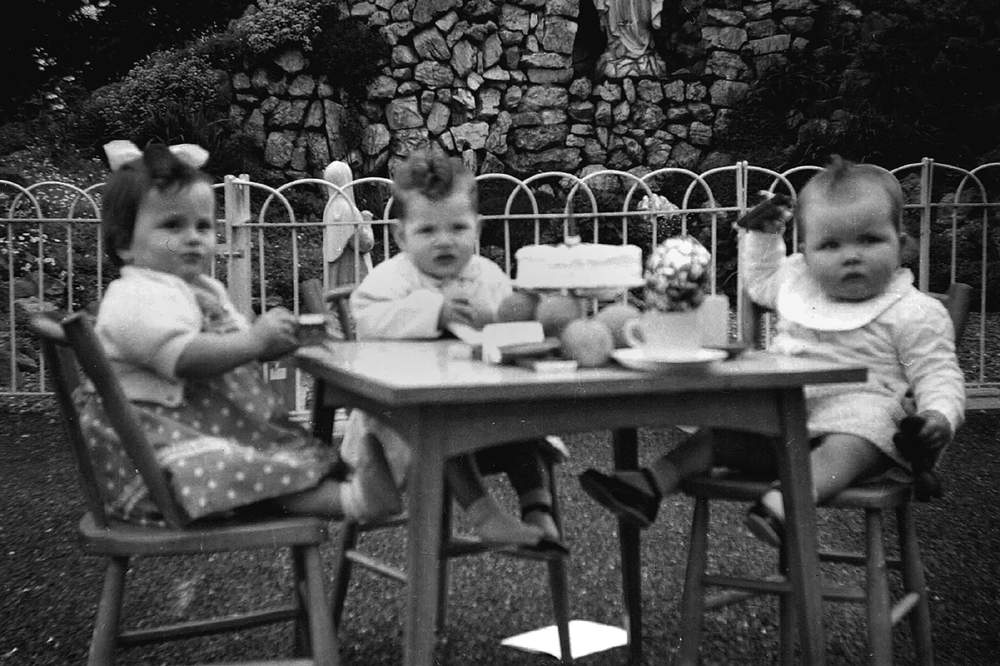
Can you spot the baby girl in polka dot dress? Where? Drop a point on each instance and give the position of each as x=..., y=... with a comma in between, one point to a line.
x=188, y=363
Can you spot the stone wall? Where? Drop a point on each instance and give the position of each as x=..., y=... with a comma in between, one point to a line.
x=496, y=83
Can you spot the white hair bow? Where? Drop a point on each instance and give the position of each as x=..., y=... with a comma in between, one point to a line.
x=122, y=151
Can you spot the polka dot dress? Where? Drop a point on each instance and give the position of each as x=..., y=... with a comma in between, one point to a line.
x=228, y=444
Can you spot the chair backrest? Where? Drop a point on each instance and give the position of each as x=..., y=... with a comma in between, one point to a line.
x=339, y=300
x=73, y=344
x=956, y=300
x=311, y=296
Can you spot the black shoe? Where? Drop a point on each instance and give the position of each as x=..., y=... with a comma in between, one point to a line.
x=765, y=525
x=549, y=543
x=636, y=505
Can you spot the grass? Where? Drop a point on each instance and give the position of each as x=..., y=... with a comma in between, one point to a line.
x=48, y=589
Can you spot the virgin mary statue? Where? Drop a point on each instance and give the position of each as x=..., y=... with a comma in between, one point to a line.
x=628, y=25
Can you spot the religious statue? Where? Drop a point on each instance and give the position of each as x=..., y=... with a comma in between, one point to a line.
x=346, y=247
x=628, y=25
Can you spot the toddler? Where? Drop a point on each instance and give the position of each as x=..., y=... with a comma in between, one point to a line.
x=187, y=361
x=843, y=298
x=435, y=281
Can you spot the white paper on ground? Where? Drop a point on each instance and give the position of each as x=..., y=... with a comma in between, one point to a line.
x=585, y=637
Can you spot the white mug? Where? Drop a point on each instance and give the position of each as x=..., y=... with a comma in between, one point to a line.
x=656, y=331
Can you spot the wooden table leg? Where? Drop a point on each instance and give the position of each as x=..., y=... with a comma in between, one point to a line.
x=626, y=456
x=795, y=475
x=425, y=488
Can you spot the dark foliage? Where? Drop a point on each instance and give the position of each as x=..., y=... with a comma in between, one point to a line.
x=890, y=82
x=98, y=50
x=348, y=52
x=34, y=41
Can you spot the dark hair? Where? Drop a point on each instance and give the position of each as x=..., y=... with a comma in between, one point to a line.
x=157, y=168
x=434, y=176
x=841, y=181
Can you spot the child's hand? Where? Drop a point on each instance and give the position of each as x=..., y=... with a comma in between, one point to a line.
x=471, y=313
x=920, y=440
x=482, y=314
x=274, y=332
x=770, y=215
x=936, y=430
x=457, y=309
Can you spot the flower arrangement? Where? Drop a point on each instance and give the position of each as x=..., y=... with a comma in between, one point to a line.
x=676, y=274
x=664, y=208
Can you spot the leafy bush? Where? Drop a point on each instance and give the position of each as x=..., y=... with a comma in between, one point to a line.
x=224, y=50
x=349, y=52
x=174, y=96
x=168, y=83
x=278, y=24
x=122, y=32
x=886, y=81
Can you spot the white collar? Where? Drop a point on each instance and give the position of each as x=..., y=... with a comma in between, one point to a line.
x=801, y=300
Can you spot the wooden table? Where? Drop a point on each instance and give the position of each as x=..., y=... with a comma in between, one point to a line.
x=445, y=405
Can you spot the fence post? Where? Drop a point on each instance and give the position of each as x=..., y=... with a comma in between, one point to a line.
x=926, y=197
x=237, y=197
x=744, y=308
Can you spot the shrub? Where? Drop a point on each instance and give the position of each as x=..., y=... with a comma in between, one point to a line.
x=349, y=52
x=887, y=81
x=176, y=82
x=278, y=24
x=174, y=96
x=121, y=33
x=224, y=50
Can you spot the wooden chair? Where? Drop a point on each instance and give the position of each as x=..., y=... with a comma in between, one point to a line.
x=452, y=545
x=72, y=344
x=875, y=499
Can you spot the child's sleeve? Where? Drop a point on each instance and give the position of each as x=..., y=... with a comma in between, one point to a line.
x=495, y=284
x=148, y=325
x=761, y=258
x=389, y=303
x=927, y=353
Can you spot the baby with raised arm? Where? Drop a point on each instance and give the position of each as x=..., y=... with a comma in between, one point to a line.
x=188, y=363
x=435, y=281
x=843, y=298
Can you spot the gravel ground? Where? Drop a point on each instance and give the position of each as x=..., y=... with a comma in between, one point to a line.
x=48, y=590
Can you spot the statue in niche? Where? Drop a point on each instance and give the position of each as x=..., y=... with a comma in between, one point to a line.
x=629, y=25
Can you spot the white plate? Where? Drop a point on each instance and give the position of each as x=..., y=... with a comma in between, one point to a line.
x=640, y=359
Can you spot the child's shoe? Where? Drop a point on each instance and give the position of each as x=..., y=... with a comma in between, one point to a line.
x=539, y=514
x=493, y=526
x=921, y=456
x=370, y=493
x=632, y=496
x=764, y=525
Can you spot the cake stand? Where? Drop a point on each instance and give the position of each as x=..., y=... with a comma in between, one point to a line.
x=589, y=294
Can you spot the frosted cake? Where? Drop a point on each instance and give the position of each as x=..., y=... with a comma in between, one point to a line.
x=578, y=266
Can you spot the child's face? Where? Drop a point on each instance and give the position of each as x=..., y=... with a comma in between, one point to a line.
x=440, y=236
x=174, y=231
x=851, y=249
